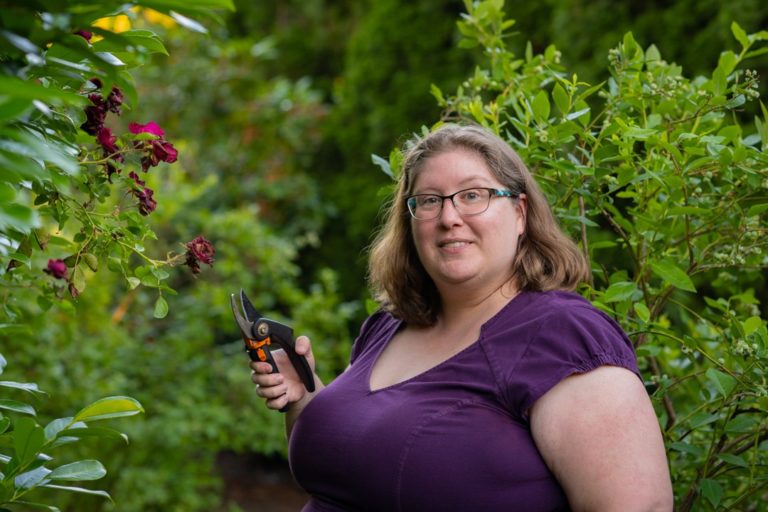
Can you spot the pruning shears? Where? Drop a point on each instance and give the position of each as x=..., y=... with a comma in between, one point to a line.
x=261, y=334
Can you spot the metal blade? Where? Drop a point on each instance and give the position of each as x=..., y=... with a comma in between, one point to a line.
x=245, y=326
x=250, y=312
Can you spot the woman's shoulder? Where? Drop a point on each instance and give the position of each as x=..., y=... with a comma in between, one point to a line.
x=540, y=309
x=555, y=322
x=377, y=326
x=548, y=336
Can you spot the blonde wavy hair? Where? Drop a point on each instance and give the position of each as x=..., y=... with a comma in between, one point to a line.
x=546, y=258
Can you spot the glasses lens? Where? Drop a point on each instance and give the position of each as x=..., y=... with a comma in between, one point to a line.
x=472, y=201
x=425, y=206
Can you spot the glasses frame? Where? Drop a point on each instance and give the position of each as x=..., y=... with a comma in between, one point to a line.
x=410, y=201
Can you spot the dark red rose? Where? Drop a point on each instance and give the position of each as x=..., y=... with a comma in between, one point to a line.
x=114, y=100
x=107, y=141
x=199, y=251
x=56, y=268
x=97, y=99
x=94, y=119
x=135, y=177
x=164, y=151
x=146, y=203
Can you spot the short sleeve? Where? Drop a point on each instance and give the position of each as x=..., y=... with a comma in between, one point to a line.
x=567, y=341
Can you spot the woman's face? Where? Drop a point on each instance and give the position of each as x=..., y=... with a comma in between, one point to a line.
x=474, y=252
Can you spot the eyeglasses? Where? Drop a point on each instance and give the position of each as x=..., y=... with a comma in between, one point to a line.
x=470, y=201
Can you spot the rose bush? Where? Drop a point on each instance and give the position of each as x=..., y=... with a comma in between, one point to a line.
x=62, y=191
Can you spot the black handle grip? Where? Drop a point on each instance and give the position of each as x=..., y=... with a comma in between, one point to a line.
x=253, y=354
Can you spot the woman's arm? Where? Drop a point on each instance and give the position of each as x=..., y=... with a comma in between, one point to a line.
x=599, y=435
x=286, y=388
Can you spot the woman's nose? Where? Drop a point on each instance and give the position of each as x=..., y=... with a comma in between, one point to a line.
x=448, y=213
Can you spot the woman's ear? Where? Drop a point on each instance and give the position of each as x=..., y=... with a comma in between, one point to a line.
x=521, y=206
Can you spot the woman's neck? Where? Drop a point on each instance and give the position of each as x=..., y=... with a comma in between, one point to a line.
x=463, y=308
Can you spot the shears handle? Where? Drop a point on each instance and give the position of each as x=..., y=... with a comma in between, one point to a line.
x=258, y=351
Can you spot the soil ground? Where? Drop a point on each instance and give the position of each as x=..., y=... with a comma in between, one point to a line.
x=259, y=484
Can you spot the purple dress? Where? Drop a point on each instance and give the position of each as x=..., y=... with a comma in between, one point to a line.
x=456, y=437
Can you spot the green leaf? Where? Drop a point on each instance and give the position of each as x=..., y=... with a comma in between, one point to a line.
x=16, y=216
x=53, y=428
x=29, y=387
x=673, y=275
x=757, y=209
x=700, y=419
x=740, y=35
x=161, y=307
x=133, y=282
x=723, y=383
x=383, y=164
x=635, y=132
x=711, y=490
x=78, y=279
x=733, y=459
x=742, y=423
x=561, y=98
x=91, y=260
x=684, y=447
x=110, y=407
x=752, y=324
x=188, y=23
x=102, y=432
x=13, y=405
x=145, y=39
x=79, y=471
x=577, y=114
x=13, y=108
x=727, y=62
x=32, y=478
x=13, y=87
x=622, y=290
x=642, y=311
x=79, y=490
x=541, y=107
x=28, y=439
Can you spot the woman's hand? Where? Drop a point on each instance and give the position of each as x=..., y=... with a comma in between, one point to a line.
x=283, y=388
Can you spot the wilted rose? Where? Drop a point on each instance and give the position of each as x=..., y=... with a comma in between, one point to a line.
x=146, y=203
x=199, y=250
x=136, y=179
x=107, y=141
x=114, y=100
x=56, y=268
x=94, y=119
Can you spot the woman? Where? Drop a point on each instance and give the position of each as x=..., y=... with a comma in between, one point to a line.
x=483, y=383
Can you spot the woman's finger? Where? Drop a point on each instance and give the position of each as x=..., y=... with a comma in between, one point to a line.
x=271, y=392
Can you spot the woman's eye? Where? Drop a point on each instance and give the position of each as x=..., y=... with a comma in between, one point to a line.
x=470, y=196
x=429, y=201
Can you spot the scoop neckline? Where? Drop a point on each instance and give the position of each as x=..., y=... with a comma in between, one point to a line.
x=399, y=325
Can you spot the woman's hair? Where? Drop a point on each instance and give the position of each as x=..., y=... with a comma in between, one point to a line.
x=546, y=259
